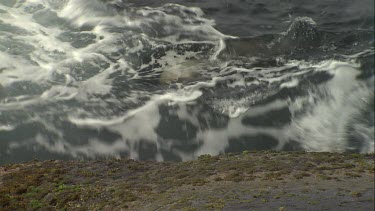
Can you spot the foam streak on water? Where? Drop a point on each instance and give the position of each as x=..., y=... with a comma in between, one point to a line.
x=90, y=79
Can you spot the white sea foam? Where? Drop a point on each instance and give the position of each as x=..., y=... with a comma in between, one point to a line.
x=325, y=126
x=84, y=66
x=6, y=128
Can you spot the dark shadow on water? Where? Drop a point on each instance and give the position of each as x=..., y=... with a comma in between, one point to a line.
x=258, y=142
x=275, y=118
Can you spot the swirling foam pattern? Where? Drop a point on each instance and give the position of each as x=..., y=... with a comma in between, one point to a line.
x=172, y=81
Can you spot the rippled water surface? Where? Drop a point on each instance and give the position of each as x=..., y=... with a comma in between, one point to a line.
x=175, y=79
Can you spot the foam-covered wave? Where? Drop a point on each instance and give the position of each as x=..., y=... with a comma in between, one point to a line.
x=97, y=78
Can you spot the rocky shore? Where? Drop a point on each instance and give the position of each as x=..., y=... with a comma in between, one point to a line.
x=246, y=181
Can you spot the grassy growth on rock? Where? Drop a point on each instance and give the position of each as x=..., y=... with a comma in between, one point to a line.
x=122, y=184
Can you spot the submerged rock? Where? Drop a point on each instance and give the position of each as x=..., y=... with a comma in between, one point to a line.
x=302, y=33
x=182, y=72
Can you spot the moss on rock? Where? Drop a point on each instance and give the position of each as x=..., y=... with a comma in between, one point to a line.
x=249, y=179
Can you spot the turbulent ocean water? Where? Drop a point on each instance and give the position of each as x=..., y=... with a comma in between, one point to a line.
x=173, y=79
